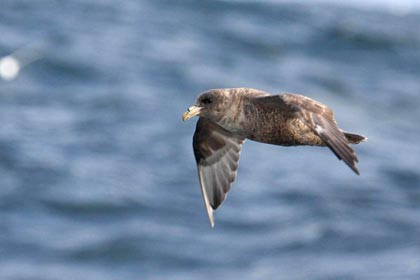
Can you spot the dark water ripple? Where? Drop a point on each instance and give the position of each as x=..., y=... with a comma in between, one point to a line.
x=97, y=177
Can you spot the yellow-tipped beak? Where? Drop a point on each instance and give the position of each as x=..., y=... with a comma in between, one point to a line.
x=191, y=112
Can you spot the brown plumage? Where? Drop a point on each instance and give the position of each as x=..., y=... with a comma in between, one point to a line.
x=229, y=116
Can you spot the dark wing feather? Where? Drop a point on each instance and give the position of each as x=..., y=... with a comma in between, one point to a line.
x=217, y=154
x=320, y=119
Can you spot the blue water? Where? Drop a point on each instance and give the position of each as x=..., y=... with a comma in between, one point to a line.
x=97, y=175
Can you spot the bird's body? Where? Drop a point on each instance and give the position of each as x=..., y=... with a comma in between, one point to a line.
x=229, y=116
x=267, y=119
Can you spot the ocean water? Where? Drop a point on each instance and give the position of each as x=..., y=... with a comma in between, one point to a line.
x=97, y=173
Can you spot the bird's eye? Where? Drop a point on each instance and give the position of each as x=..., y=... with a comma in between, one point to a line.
x=206, y=100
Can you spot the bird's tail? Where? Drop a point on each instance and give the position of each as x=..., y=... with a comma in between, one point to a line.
x=354, y=138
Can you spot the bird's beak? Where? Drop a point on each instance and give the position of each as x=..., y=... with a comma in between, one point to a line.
x=191, y=112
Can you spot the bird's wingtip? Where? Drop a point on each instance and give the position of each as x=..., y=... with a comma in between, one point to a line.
x=211, y=218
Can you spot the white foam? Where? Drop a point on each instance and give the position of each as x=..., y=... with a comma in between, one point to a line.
x=9, y=67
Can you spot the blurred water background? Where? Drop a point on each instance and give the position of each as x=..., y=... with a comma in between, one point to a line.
x=97, y=176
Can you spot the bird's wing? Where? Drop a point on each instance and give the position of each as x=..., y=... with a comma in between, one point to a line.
x=320, y=119
x=217, y=154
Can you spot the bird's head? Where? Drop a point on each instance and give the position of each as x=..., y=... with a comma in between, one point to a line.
x=210, y=104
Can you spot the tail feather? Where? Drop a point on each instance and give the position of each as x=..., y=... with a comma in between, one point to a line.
x=354, y=138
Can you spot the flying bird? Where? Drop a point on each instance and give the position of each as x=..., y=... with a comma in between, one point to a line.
x=229, y=116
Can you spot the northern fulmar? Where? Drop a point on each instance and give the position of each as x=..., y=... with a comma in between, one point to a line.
x=229, y=116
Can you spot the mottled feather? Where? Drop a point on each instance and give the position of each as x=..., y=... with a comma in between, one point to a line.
x=318, y=118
